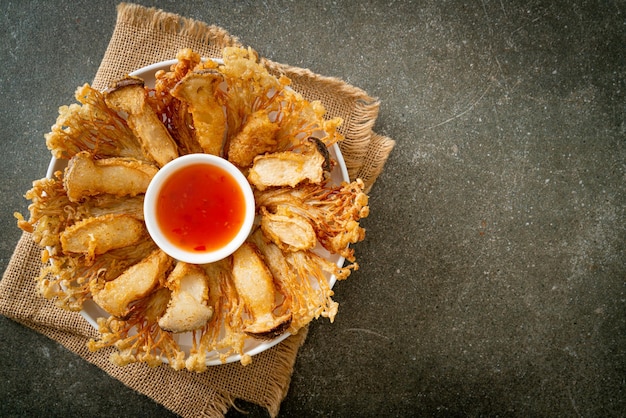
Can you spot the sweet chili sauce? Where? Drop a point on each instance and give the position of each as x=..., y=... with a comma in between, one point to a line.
x=200, y=208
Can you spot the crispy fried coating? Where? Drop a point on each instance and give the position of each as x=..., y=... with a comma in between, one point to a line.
x=175, y=113
x=302, y=278
x=129, y=96
x=86, y=176
x=288, y=230
x=287, y=168
x=254, y=283
x=257, y=137
x=335, y=211
x=199, y=90
x=187, y=309
x=115, y=296
x=100, y=234
x=92, y=126
x=138, y=336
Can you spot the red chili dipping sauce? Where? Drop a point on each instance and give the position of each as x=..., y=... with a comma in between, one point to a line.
x=200, y=208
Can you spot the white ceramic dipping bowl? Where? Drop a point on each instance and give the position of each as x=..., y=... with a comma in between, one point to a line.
x=160, y=237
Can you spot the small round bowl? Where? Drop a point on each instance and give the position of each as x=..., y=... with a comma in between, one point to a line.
x=169, y=245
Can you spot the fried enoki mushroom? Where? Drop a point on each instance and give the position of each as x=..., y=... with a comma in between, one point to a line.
x=256, y=137
x=67, y=279
x=93, y=127
x=174, y=113
x=100, y=234
x=334, y=211
x=224, y=331
x=200, y=90
x=138, y=337
x=116, y=296
x=287, y=168
x=89, y=218
x=288, y=230
x=255, y=285
x=302, y=279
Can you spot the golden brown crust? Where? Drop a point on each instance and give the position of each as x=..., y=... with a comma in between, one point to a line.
x=97, y=235
x=199, y=89
x=136, y=282
x=86, y=176
x=287, y=169
x=129, y=97
x=257, y=137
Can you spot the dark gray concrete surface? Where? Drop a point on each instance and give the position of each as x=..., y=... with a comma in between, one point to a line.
x=492, y=278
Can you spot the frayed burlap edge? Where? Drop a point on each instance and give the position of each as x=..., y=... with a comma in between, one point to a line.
x=165, y=22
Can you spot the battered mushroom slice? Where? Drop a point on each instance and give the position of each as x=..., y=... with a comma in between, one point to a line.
x=287, y=168
x=254, y=284
x=198, y=89
x=257, y=137
x=187, y=309
x=288, y=230
x=86, y=176
x=116, y=296
x=128, y=96
x=323, y=149
x=100, y=234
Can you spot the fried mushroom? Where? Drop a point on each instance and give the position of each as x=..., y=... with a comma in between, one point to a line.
x=128, y=96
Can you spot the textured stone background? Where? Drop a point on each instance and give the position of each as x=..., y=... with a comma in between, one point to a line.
x=492, y=278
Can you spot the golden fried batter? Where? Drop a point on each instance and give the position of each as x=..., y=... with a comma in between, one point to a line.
x=129, y=96
x=100, y=234
x=288, y=230
x=187, y=309
x=287, y=168
x=116, y=295
x=257, y=137
x=198, y=89
x=86, y=176
x=254, y=284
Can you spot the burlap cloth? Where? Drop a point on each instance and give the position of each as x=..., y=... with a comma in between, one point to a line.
x=144, y=36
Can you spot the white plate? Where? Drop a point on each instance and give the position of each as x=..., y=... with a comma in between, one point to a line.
x=91, y=311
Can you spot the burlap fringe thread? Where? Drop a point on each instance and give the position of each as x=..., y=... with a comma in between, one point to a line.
x=169, y=23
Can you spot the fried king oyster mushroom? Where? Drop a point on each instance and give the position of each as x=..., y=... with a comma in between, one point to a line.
x=255, y=285
x=87, y=176
x=187, y=309
x=128, y=96
x=88, y=218
x=199, y=89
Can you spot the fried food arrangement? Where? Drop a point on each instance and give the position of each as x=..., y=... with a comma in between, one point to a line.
x=88, y=218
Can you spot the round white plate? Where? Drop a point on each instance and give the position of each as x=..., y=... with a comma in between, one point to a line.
x=91, y=311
